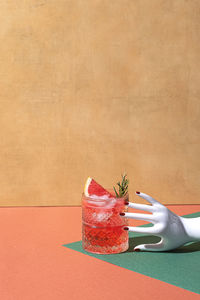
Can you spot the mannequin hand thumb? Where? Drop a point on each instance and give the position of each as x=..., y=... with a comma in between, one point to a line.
x=150, y=247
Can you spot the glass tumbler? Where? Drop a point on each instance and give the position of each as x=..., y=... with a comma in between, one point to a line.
x=102, y=226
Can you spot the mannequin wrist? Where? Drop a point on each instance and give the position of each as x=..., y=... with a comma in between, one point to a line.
x=192, y=227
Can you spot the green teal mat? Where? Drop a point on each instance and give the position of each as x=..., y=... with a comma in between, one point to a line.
x=180, y=267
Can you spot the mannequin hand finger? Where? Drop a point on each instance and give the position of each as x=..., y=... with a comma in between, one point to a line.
x=148, y=198
x=148, y=230
x=145, y=217
x=141, y=206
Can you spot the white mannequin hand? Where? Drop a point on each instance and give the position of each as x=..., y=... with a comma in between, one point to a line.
x=173, y=230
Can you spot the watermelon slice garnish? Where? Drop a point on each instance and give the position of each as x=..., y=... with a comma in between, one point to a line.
x=92, y=188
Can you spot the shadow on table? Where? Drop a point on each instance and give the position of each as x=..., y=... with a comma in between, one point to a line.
x=150, y=239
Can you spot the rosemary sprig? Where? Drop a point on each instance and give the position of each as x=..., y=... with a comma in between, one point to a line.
x=123, y=187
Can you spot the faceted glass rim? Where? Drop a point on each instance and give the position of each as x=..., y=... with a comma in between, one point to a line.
x=100, y=198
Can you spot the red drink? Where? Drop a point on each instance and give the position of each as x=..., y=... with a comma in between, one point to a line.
x=102, y=230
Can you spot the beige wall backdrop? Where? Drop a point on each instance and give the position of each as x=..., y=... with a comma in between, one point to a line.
x=96, y=87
